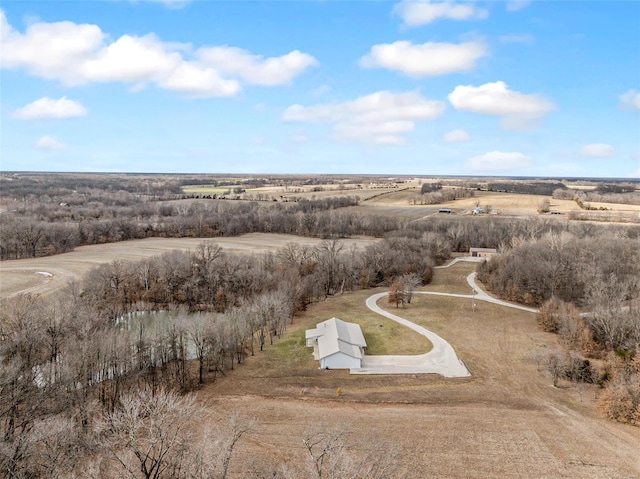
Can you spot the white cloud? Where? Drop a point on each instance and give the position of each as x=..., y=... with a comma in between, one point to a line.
x=49, y=50
x=499, y=160
x=200, y=81
x=379, y=118
x=131, y=60
x=420, y=12
x=456, y=136
x=256, y=69
x=598, y=150
x=427, y=59
x=383, y=133
x=48, y=108
x=518, y=110
x=517, y=5
x=77, y=54
x=631, y=100
x=50, y=143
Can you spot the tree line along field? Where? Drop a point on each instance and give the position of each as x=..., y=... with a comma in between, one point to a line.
x=226, y=374
x=27, y=274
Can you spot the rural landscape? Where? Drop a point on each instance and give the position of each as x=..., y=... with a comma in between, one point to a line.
x=319, y=239
x=157, y=326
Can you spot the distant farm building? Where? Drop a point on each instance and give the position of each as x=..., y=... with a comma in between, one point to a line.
x=482, y=252
x=337, y=344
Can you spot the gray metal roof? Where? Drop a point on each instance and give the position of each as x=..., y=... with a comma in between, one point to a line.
x=335, y=335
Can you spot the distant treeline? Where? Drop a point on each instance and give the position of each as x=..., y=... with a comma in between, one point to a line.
x=528, y=188
x=52, y=185
x=51, y=228
x=607, y=194
x=616, y=188
x=434, y=195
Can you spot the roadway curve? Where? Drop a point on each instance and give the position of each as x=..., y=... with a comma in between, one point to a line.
x=442, y=359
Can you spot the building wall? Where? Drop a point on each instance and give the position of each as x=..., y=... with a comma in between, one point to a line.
x=339, y=361
x=482, y=254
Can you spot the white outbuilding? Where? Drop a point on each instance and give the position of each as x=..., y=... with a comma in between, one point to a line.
x=337, y=344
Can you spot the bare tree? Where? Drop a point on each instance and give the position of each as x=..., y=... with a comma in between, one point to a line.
x=332, y=454
x=411, y=282
x=149, y=434
x=156, y=436
x=329, y=260
x=544, y=206
x=201, y=332
x=553, y=362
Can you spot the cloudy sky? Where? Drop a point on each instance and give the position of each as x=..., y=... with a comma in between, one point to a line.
x=527, y=88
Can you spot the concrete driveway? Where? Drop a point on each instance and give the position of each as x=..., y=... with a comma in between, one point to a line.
x=442, y=359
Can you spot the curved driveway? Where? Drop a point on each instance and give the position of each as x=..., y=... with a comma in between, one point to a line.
x=442, y=359
x=482, y=295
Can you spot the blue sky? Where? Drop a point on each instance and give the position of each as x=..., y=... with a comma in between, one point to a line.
x=526, y=88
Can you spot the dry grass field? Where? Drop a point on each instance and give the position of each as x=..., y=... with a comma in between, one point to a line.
x=364, y=191
x=396, y=203
x=24, y=275
x=507, y=420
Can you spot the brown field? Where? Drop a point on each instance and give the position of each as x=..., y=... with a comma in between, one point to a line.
x=331, y=192
x=507, y=420
x=18, y=276
x=396, y=203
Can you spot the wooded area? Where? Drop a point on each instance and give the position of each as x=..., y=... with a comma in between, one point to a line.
x=600, y=276
x=85, y=370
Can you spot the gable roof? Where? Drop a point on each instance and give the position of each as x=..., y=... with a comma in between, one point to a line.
x=335, y=335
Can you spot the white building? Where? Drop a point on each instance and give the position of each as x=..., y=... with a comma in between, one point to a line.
x=482, y=252
x=337, y=344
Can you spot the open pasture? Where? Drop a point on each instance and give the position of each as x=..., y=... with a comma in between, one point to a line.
x=506, y=420
x=397, y=203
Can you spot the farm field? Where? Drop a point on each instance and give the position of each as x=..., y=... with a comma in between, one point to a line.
x=510, y=418
x=396, y=203
x=26, y=275
x=506, y=420
x=307, y=192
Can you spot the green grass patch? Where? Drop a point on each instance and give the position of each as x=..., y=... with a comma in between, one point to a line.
x=383, y=336
x=452, y=279
x=289, y=354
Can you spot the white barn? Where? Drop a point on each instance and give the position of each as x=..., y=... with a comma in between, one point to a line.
x=337, y=344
